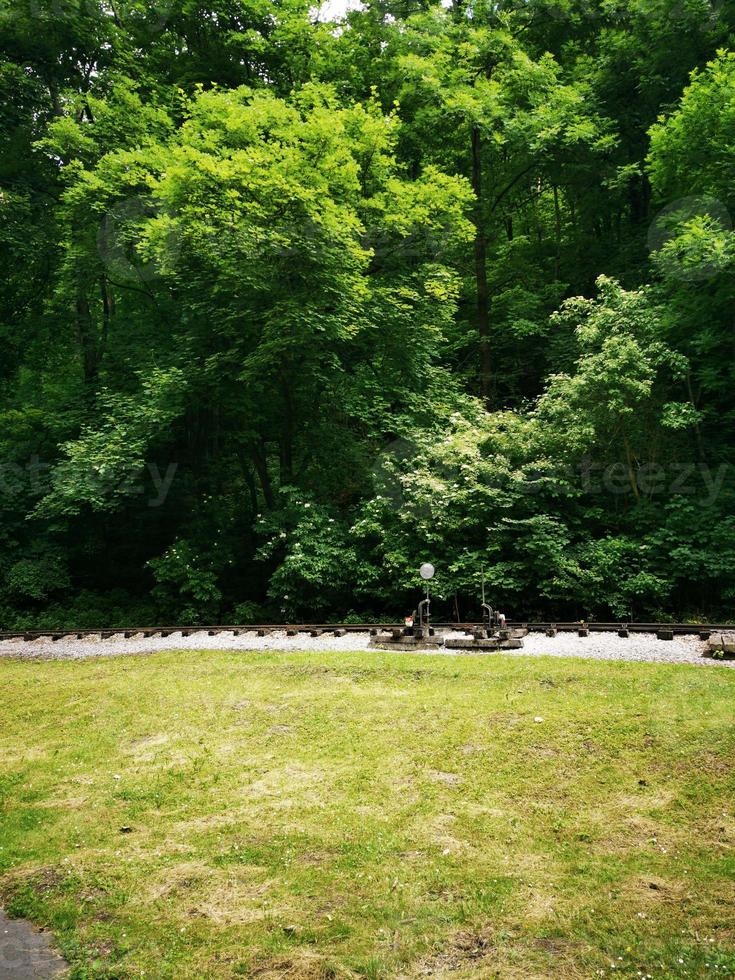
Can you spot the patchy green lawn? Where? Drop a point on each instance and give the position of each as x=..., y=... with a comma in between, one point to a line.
x=193, y=815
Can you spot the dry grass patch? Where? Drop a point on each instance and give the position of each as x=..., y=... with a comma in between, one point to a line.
x=375, y=816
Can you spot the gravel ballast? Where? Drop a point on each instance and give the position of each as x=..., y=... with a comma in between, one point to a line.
x=597, y=646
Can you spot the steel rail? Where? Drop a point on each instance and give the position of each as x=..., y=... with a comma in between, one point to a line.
x=678, y=629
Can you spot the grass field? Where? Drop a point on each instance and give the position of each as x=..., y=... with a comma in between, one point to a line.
x=377, y=815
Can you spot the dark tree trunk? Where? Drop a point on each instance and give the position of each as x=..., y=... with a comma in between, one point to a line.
x=260, y=463
x=108, y=310
x=557, y=234
x=483, y=305
x=252, y=491
x=87, y=339
x=286, y=447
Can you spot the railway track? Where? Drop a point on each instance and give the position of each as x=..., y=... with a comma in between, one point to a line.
x=663, y=630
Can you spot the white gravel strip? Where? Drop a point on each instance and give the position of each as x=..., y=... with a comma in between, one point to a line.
x=596, y=646
x=70, y=648
x=610, y=646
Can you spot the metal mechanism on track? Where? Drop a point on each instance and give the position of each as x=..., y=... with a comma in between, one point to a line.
x=491, y=634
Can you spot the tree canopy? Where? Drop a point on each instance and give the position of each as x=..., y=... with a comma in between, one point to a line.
x=292, y=304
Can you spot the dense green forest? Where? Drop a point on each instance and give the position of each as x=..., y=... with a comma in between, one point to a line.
x=291, y=304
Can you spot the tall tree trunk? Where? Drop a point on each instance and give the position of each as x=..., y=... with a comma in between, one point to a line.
x=108, y=310
x=252, y=491
x=557, y=234
x=86, y=335
x=697, y=429
x=286, y=447
x=483, y=307
x=631, y=471
x=260, y=463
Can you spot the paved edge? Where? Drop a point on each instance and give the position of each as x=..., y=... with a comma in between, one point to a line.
x=26, y=952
